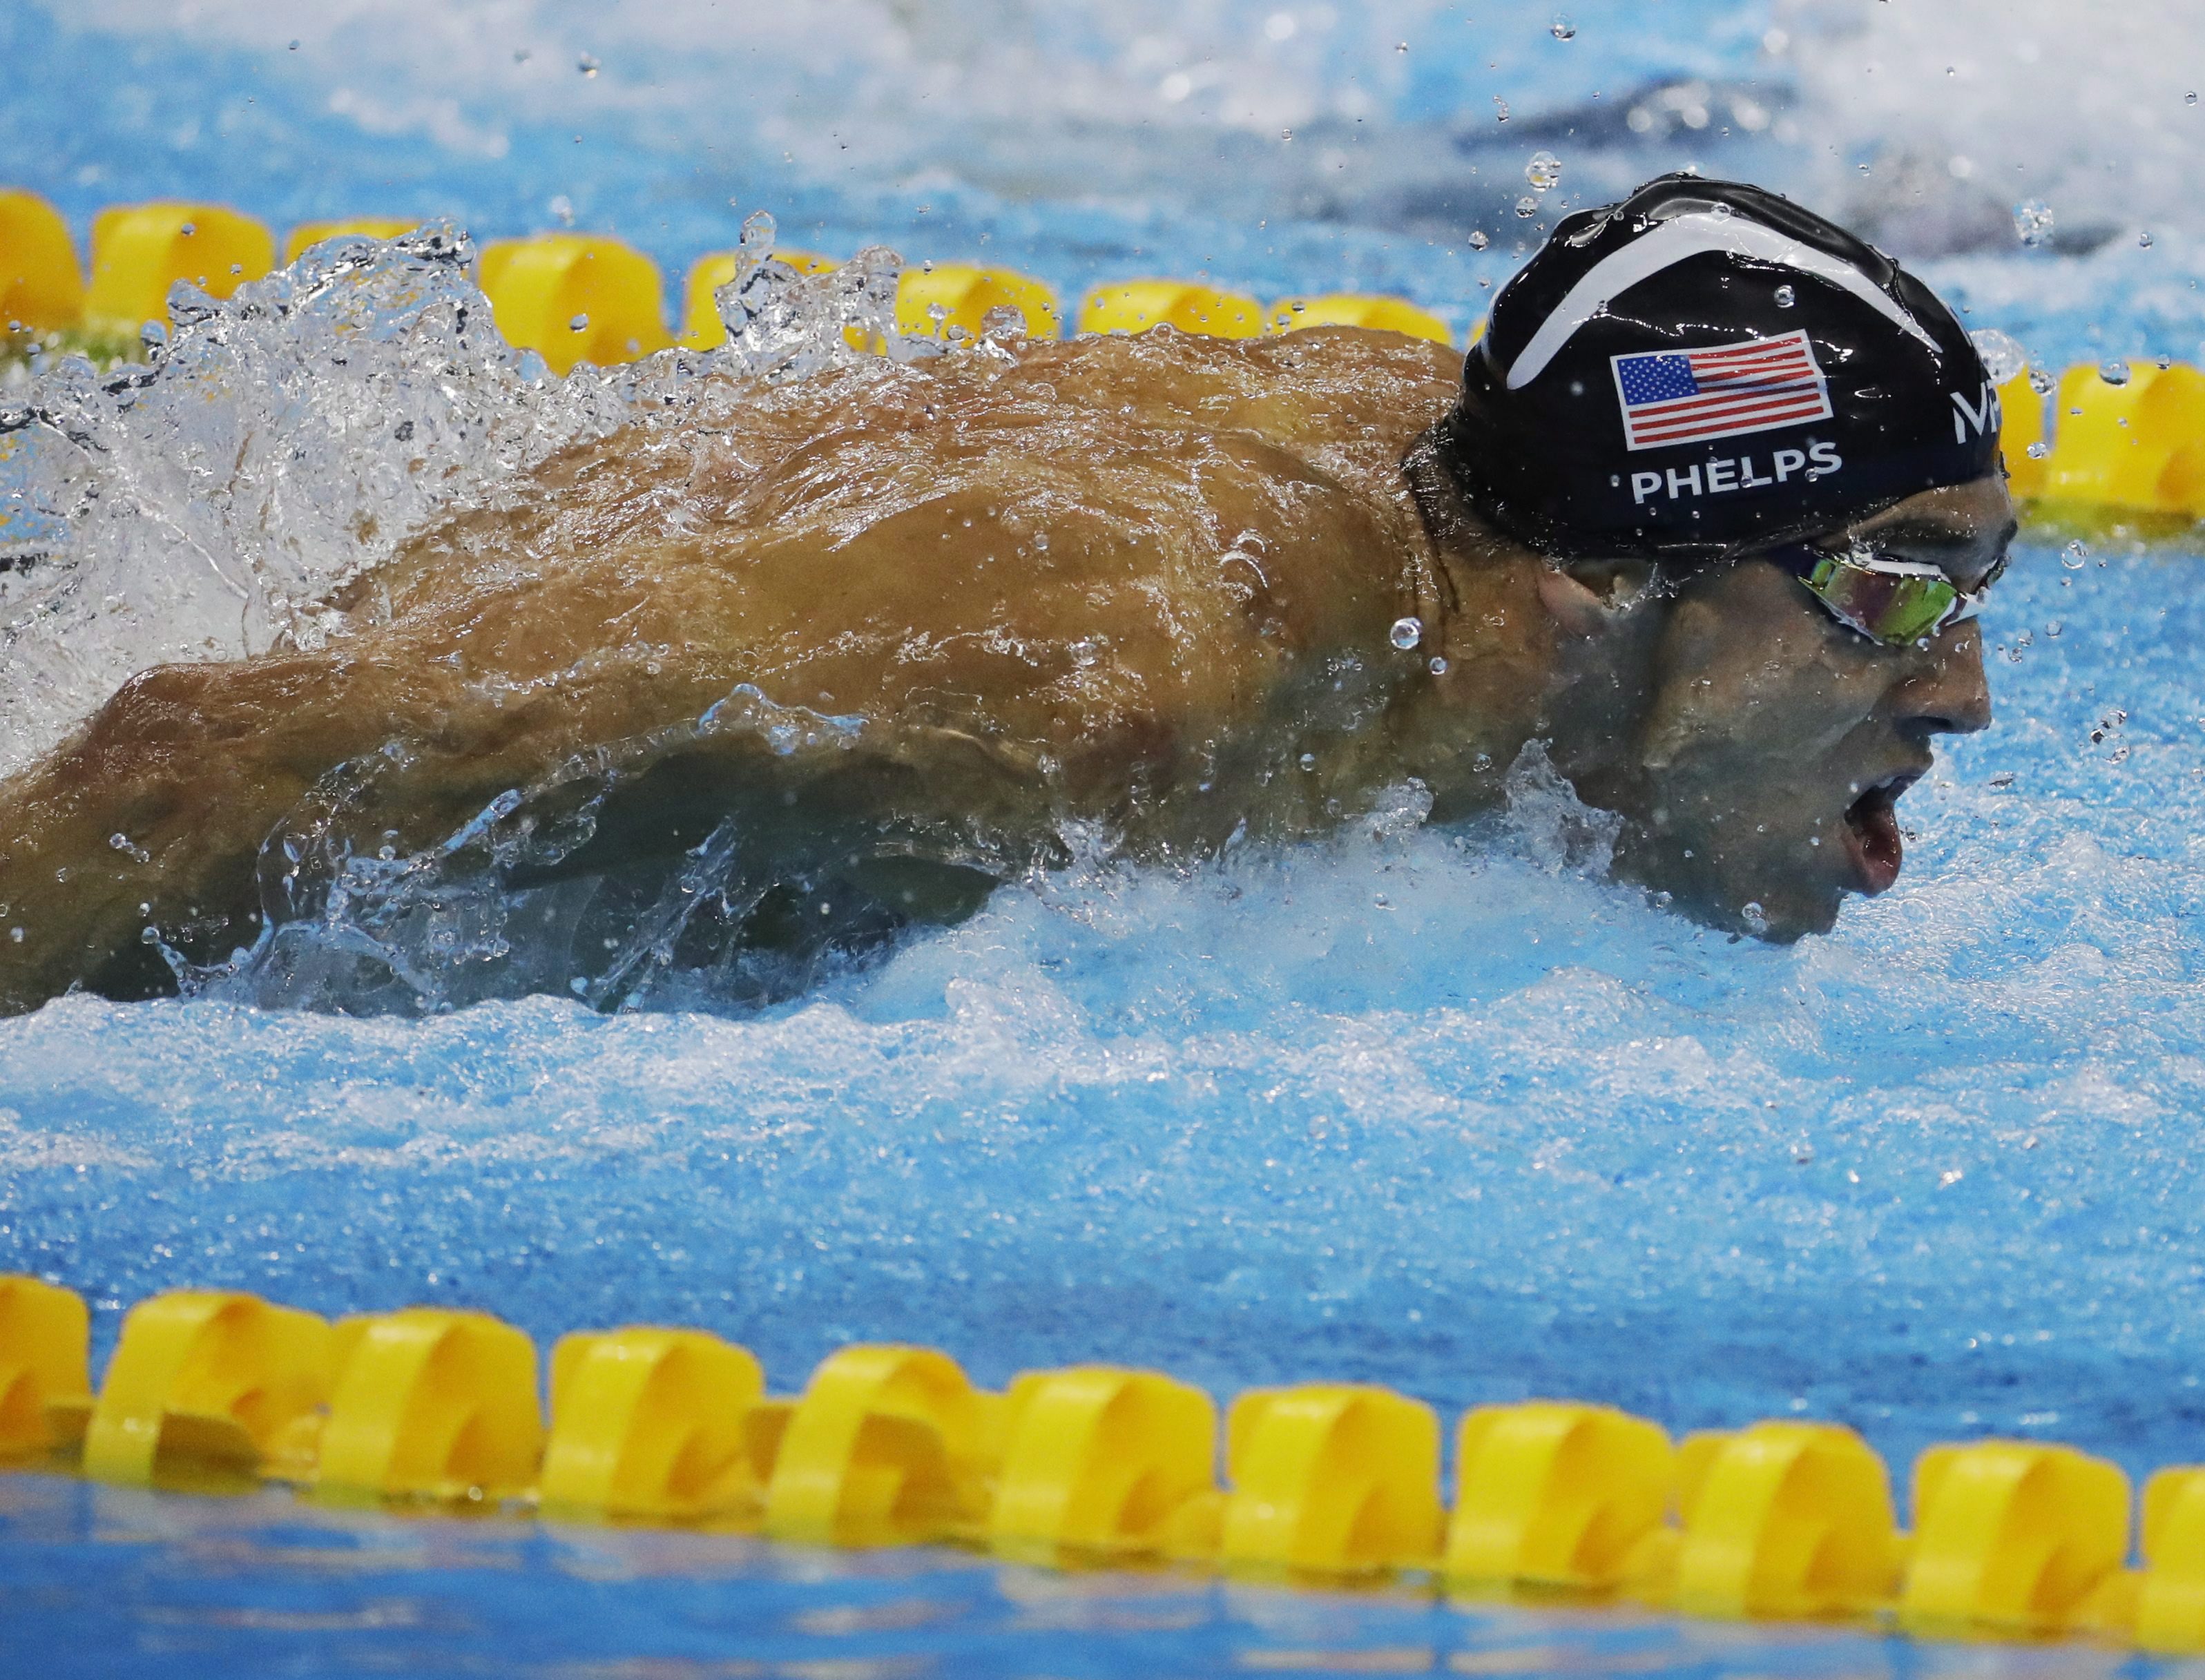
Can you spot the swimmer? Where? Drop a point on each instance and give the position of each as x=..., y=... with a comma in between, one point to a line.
x=1705, y=514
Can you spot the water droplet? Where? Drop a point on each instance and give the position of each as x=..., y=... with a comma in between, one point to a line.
x=1785, y=297
x=579, y=323
x=1407, y=632
x=1527, y=205
x=587, y=64
x=562, y=209
x=2032, y=221
x=1286, y=134
x=1478, y=242
x=294, y=47
x=2041, y=382
x=1308, y=761
x=2038, y=450
x=2144, y=239
x=1437, y=665
x=2075, y=555
x=1499, y=108
x=1400, y=46
x=2003, y=356
x=2114, y=372
x=1562, y=29
x=1544, y=171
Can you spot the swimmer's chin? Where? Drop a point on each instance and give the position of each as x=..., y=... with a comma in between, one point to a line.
x=1773, y=911
x=1779, y=920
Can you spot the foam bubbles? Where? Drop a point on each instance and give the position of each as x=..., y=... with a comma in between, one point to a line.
x=288, y=441
x=279, y=444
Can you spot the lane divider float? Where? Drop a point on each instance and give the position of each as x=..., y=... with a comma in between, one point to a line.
x=1135, y=305
x=701, y=326
x=308, y=235
x=1357, y=309
x=1324, y=1483
x=41, y=286
x=139, y=251
x=574, y=298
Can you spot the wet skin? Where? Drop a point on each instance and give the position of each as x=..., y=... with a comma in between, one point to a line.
x=1753, y=743
x=1776, y=740
x=1140, y=586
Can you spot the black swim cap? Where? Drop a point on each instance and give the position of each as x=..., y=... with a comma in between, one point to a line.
x=1706, y=369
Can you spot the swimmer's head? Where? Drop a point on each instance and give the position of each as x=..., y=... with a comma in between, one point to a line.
x=1768, y=742
x=1707, y=370
x=1787, y=448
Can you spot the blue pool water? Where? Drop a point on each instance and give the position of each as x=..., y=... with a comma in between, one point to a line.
x=262, y=1586
x=1433, y=1110
x=1444, y=1111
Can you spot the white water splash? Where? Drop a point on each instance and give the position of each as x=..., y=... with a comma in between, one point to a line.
x=207, y=504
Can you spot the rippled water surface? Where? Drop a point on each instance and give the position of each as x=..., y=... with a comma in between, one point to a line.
x=263, y=1586
x=1434, y=1111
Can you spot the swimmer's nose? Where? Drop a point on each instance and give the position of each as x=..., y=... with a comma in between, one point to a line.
x=1949, y=696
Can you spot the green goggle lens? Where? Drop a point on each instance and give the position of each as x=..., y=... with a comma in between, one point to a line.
x=1897, y=602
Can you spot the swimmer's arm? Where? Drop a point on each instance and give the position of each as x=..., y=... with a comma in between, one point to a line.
x=157, y=811
x=154, y=812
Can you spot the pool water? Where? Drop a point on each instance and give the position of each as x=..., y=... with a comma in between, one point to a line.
x=264, y=1586
x=1441, y=1110
x=1430, y=1110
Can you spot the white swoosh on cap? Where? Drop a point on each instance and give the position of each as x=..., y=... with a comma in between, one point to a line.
x=1669, y=244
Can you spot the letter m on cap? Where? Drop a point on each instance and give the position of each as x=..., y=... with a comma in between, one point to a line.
x=1972, y=419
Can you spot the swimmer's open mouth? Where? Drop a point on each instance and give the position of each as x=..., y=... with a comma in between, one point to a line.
x=1872, y=832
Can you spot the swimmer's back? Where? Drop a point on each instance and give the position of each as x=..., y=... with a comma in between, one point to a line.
x=1111, y=534
x=1118, y=580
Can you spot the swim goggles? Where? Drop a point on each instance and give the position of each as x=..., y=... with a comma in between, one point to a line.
x=1897, y=602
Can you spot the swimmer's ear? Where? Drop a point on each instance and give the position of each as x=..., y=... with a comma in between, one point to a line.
x=1576, y=609
x=1595, y=604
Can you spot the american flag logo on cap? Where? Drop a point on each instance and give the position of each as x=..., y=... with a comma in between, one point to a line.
x=1697, y=396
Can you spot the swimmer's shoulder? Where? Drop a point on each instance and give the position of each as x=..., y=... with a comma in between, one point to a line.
x=1355, y=355
x=1368, y=351
x=1314, y=392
